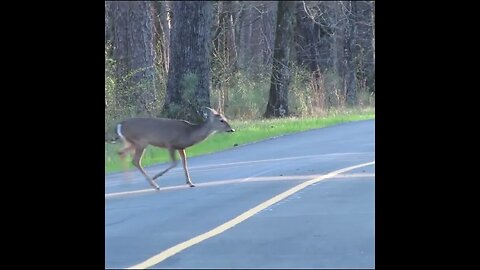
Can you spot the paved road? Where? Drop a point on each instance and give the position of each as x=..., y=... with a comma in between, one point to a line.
x=329, y=224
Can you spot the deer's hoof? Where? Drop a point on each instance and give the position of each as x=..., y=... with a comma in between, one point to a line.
x=191, y=185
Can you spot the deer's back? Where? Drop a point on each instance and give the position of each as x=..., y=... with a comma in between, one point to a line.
x=159, y=132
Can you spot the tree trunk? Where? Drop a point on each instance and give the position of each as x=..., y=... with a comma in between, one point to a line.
x=242, y=33
x=134, y=53
x=188, y=87
x=162, y=34
x=373, y=47
x=351, y=54
x=231, y=43
x=278, y=99
x=239, y=31
x=108, y=34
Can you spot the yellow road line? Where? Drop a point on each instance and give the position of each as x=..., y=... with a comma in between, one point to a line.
x=229, y=224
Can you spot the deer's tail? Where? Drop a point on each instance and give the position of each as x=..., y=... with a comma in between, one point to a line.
x=119, y=130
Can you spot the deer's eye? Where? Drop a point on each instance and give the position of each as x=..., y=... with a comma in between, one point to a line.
x=221, y=120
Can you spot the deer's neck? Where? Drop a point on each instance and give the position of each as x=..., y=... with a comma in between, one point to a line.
x=201, y=132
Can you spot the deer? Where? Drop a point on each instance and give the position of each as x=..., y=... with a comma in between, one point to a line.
x=171, y=134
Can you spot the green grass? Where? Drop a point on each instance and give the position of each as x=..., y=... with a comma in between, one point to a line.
x=246, y=132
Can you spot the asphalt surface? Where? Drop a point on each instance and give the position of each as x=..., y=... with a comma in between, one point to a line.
x=330, y=224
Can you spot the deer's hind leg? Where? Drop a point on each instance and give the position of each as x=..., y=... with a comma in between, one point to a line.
x=172, y=165
x=137, y=159
x=127, y=148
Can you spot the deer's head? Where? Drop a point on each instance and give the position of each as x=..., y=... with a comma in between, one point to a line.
x=218, y=121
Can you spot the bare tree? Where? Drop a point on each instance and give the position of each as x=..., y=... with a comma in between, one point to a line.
x=188, y=87
x=338, y=36
x=366, y=37
x=278, y=98
x=225, y=50
x=306, y=38
x=254, y=23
